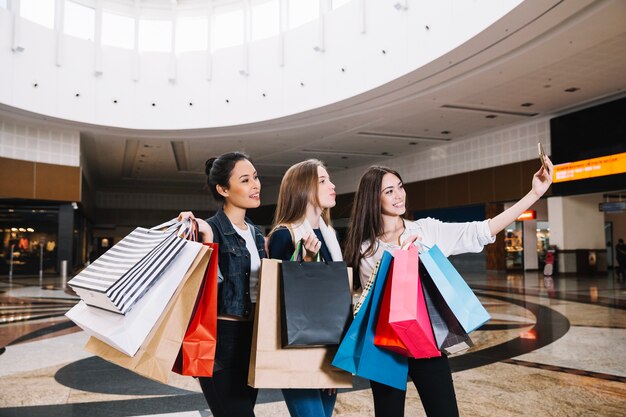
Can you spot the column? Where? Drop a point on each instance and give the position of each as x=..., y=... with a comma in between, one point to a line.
x=577, y=229
x=65, y=238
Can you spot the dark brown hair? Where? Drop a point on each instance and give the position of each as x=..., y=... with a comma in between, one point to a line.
x=219, y=169
x=366, y=219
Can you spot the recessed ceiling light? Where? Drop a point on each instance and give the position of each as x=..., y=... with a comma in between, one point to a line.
x=527, y=104
x=571, y=89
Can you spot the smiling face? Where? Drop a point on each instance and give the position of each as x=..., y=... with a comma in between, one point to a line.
x=244, y=187
x=325, y=189
x=392, y=196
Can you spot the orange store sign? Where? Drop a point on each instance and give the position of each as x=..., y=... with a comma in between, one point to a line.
x=590, y=168
x=527, y=215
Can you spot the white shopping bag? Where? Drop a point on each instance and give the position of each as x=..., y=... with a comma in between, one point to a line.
x=127, y=332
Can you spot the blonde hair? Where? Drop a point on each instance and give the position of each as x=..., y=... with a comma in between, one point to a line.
x=299, y=187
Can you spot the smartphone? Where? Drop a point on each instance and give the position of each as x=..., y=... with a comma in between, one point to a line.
x=542, y=156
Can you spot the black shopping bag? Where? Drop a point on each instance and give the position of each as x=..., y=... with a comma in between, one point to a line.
x=315, y=302
x=449, y=334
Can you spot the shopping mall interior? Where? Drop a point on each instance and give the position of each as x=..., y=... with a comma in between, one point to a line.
x=110, y=108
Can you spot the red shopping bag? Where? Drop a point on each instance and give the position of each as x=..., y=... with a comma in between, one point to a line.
x=407, y=312
x=385, y=336
x=197, y=353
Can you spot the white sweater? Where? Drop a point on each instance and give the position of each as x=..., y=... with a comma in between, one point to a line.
x=451, y=238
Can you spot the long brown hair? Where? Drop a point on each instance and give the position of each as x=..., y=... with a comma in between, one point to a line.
x=299, y=187
x=366, y=219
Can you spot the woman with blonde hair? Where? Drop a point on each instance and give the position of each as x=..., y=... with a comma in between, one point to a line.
x=302, y=213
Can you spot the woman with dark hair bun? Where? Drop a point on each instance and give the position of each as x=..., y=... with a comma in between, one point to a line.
x=233, y=181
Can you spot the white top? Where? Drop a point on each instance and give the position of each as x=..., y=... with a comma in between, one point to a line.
x=451, y=238
x=255, y=260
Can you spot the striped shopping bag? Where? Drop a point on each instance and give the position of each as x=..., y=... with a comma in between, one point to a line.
x=120, y=277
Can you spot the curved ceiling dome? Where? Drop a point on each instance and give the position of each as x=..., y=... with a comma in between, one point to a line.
x=197, y=64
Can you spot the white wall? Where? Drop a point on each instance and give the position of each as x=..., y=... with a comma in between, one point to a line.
x=39, y=144
x=585, y=223
x=353, y=42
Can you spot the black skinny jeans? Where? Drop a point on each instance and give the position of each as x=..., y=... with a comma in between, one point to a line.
x=227, y=392
x=433, y=380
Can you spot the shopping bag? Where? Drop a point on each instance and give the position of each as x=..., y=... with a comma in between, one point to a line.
x=449, y=335
x=197, y=353
x=156, y=356
x=358, y=354
x=315, y=301
x=385, y=336
x=271, y=366
x=127, y=332
x=404, y=317
x=119, y=278
x=458, y=295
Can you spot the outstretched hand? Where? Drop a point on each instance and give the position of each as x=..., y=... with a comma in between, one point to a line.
x=543, y=178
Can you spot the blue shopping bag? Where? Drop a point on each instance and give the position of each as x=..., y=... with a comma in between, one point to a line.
x=458, y=295
x=358, y=354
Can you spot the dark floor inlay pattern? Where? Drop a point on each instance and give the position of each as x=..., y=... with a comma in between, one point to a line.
x=572, y=371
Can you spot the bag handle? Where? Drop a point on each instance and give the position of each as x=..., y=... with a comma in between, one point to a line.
x=168, y=225
x=185, y=229
x=298, y=254
x=422, y=247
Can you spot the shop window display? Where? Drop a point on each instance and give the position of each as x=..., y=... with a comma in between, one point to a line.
x=514, y=246
x=28, y=240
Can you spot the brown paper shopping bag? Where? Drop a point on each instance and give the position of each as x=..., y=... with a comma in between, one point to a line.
x=157, y=354
x=271, y=366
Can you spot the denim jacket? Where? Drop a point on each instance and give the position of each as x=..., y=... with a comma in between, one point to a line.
x=233, y=296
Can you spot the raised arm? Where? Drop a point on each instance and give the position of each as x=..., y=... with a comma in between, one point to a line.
x=540, y=184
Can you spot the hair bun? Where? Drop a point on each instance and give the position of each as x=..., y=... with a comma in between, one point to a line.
x=209, y=164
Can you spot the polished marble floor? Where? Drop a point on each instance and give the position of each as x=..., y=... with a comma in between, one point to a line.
x=555, y=347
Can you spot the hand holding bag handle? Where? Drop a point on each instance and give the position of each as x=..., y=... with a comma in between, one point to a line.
x=298, y=253
x=187, y=229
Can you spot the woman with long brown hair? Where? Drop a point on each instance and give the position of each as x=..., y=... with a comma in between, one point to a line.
x=302, y=213
x=378, y=224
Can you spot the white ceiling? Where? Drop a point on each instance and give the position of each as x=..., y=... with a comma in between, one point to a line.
x=585, y=50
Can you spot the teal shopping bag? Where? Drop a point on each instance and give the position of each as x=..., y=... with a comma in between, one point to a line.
x=358, y=354
x=458, y=295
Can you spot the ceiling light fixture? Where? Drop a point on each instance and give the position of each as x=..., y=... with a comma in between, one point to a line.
x=340, y=152
x=487, y=110
x=402, y=136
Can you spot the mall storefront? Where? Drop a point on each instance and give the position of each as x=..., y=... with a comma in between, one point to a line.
x=38, y=237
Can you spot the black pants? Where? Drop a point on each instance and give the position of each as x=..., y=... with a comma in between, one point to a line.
x=433, y=380
x=227, y=392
